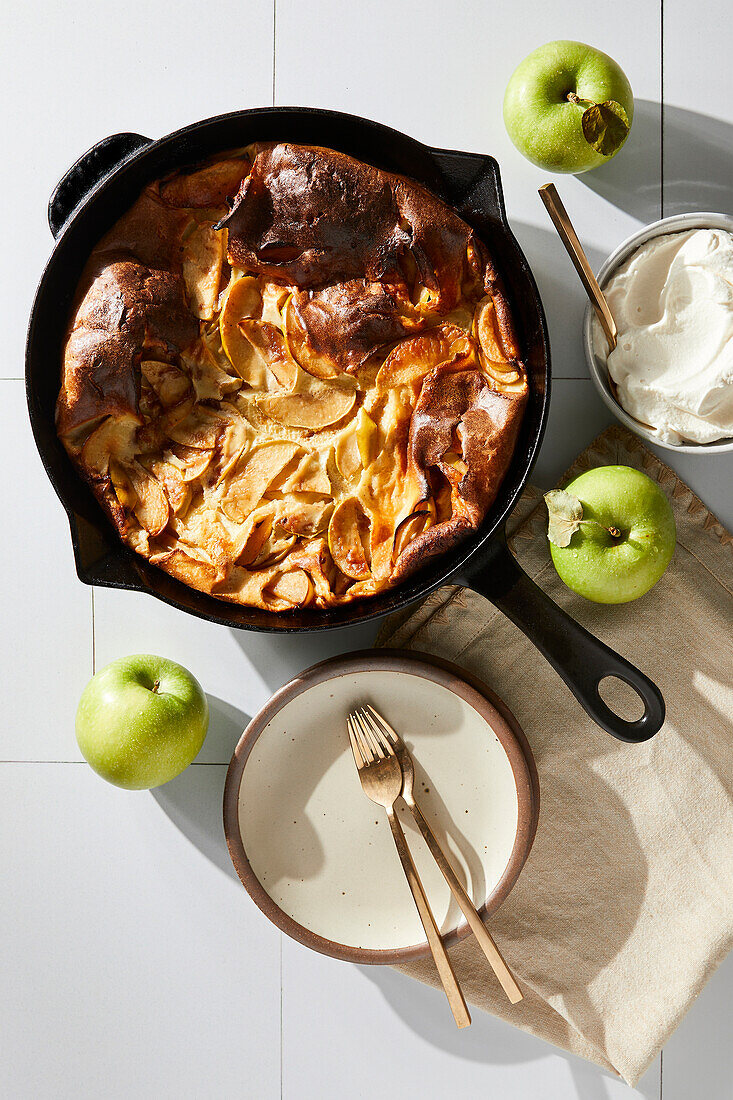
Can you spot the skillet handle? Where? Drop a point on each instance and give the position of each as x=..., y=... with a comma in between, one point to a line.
x=89, y=170
x=580, y=659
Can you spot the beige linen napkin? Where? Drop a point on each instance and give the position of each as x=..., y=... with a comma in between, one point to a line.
x=625, y=906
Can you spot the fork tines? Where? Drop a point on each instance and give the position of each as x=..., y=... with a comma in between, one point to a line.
x=364, y=739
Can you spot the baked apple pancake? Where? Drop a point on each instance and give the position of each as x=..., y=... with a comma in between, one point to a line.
x=291, y=378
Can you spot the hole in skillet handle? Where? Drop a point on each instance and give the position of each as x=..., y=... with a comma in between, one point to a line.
x=87, y=172
x=577, y=656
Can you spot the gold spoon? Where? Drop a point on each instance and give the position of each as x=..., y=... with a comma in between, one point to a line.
x=574, y=249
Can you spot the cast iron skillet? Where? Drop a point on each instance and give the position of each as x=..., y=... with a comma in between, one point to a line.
x=105, y=182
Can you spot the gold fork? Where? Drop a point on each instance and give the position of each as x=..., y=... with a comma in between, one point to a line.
x=390, y=742
x=381, y=780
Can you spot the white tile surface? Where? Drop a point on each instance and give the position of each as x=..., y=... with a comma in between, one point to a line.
x=134, y=964
x=46, y=620
x=352, y=1012
x=74, y=72
x=697, y=1059
x=698, y=118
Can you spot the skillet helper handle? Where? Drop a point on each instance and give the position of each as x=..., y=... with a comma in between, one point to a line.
x=576, y=655
x=89, y=170
x=477, y=926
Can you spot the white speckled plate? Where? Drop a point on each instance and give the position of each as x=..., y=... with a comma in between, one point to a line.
x=318, y=857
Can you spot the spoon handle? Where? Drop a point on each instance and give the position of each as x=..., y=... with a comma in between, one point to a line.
x=569, y=238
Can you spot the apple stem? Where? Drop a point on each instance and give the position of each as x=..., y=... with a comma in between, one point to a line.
x=573, y=97
x=614, y=532
x=156, y=686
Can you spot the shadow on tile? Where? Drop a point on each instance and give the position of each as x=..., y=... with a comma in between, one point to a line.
x=698, y=164
x=277, y=658
x=226, y=725
x=193, y=801
x=489, y=1040
x=562, y=295
x=632, y=180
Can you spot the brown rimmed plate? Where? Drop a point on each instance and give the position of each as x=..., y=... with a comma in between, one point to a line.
x=318, y=858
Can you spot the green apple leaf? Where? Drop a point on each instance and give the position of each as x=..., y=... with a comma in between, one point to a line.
x=565, y=515
x=605, y=126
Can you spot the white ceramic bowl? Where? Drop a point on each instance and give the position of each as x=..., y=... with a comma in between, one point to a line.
x=597, y=366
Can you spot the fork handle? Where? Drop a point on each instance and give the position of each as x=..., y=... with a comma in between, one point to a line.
x=452, y=989
x=477, y=926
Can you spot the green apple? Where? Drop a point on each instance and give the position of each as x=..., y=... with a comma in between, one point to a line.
x=141, y=720
x=620, y=537
x=568, y=107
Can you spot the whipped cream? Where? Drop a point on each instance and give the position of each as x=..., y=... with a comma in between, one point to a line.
x=672, y=302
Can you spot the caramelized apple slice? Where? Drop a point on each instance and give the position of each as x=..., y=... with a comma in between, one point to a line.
x=274, y=550
x=176, y=488
x=209, y=186
x=191, y=463
x=233, y=440
x=293, y=588
x=316, y=406
x=270, y=344
x=115, y=437
x=176, y=414
x=253, y=476
x=202, y=259
x=204, y=427
x=347, y=453
x=254, y=533
x=366, y=438
x=412, y=526
x=309, y=476
x=347, y=535
x=152, y=509
x=356, y=447
x=243, y=300
x=211, y=381
x=498, y=361
x=171, y=385
x=410, y=361
x=305, y=518
x=300, y=347
x=122, y=485
x=274, y=298
x=486, y=330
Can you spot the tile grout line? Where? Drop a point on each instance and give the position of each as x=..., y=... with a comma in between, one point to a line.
x=274, y=40
x=662, y=108
x=193, y=764
x=274, y=86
